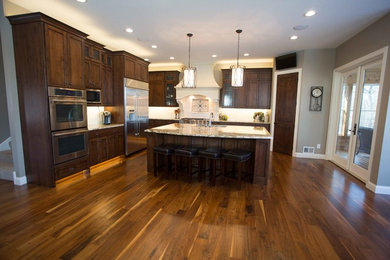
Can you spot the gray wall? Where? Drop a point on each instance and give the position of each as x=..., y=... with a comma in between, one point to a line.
x=374, y=37
x=317, y=70
x=12, y=93
x=4, y=124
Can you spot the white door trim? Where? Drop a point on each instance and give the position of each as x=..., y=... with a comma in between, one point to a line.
x=297, y=108
x=380, y=54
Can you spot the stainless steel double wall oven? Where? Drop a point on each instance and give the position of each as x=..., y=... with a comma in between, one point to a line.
x=68, y=121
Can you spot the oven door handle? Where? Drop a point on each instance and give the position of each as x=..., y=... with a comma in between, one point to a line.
x=67, y=100
x=62, y=133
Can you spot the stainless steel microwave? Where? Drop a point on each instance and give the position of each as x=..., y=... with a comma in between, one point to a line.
x=94, y=96
x=68, y=108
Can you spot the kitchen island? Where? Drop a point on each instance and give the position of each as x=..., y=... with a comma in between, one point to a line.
x=229, y=137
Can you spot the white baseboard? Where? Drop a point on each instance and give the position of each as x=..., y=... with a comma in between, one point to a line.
x=377, y=189
x=4, y=146
x=19, y=181
x=310, y=156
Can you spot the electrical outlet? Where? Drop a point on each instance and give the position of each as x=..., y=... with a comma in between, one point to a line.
x=318, y=146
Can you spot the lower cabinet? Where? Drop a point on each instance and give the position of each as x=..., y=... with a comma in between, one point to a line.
x=105, y=144
x=68, y=168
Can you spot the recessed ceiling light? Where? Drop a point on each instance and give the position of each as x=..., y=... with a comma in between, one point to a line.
x=293, y=37
x=300, y=27
x=171, y=58
x=246, y=54
x=129, y=30
x=154, y=46
x=214, y=55
x=82, y=1
x=310, y=13
x=146, y=59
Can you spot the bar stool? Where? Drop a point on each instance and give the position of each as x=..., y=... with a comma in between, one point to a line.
x=212, y=154
x=238, y=156
x=188, y=152
x=167, y=151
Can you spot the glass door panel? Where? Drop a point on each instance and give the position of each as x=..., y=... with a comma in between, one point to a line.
x=368, y=101
x=346, y=115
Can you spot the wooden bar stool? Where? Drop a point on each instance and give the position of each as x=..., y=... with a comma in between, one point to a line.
x=188, y=152
x=213, y=155
x=238, y=156
x=167, y=151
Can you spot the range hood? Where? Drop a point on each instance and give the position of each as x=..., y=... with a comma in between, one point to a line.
x=205, y=85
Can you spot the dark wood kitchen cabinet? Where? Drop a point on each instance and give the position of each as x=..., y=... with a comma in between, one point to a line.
x=124, y=66
x=93, y=71
x=162, y=90
x=107, y=91
x=64, y=58
x=47, y=53
x=105, y=144
x=256, y=92
x=136, y=68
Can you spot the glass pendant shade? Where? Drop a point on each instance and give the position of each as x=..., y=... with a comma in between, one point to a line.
x=238, y=70
x=237, y=76
x=189, y=78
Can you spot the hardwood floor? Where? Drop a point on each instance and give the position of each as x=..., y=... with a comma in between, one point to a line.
x=310, y=209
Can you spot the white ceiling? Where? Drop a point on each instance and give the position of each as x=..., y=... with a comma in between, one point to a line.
x=267, y=25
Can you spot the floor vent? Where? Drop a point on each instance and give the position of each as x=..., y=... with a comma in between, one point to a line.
x=308, y=149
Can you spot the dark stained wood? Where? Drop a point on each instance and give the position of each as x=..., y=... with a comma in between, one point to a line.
x=56, y=53
x=286, y=99
x=256, y=92
x=157, y=88
x=259, y=148
x=93, y=71
x=129, y=68
x=47, y=53
x=121, y=68
x=68, y=168
x=76, y=61
x=310, y=209
x=33, y=103
x=105, y=144
x=108, y=98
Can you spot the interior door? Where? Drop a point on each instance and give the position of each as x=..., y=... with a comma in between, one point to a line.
x=357, y=116
x=286, y=101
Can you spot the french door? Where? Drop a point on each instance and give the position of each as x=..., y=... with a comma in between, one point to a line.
x=357, y=113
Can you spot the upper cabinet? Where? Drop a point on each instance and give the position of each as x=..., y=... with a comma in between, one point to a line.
x=136, y=68
x=106, y=60
x=162, y=88
x=256, y=92
x=93, y=71
x=64, y=57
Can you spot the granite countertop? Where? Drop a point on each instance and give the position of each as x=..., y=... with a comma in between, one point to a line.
x=214, y=121
x=219, y=131
x=96, y=127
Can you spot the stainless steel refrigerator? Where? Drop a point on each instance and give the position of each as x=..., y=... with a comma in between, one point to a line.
x=136, y=105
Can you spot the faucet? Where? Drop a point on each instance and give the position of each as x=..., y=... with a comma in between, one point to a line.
x=211, y=116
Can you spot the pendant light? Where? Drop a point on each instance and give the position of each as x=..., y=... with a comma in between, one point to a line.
x=238, y=70
x=189, y=78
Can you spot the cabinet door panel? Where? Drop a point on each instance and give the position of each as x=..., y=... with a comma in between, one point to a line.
x=138, y=70
x=76, y=62
x=129, y=68
x=111, y=146
x=55, y=56
x=156, y=89
x=95, y=78
x=120, y=145
x=94, y=151
x=107, y=87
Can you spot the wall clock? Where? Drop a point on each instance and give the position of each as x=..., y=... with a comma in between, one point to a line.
x=316, y=93
x=200, y=105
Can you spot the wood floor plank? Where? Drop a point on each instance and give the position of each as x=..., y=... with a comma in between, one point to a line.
x=310, y=209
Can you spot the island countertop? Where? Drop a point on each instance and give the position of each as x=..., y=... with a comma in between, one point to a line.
x=216, y=131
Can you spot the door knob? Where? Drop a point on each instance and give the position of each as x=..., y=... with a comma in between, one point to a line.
x=354, y=129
